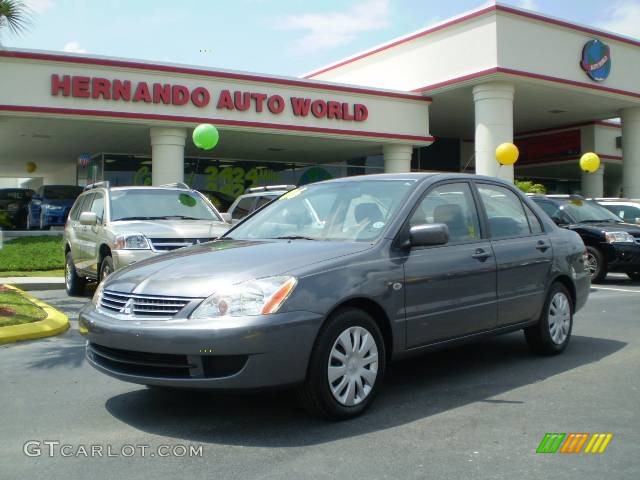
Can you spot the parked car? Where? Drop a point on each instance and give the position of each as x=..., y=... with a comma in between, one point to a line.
x=253, y=199
x=398, y=264
x=110, y=228
x=628, y=210
x=13, y=207
x=220, y=200
x=50, y=206
x=612, y=244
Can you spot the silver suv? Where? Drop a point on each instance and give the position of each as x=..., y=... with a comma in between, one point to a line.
x=253, y=199
x=110, y=228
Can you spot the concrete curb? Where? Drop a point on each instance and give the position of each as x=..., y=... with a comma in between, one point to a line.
x=34, y=283
x=56, y=322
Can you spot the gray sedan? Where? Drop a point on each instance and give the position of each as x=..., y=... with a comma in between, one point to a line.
x=325, y=286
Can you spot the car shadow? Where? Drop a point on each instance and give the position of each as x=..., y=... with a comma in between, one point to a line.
x=414, y=389
x=58, y=354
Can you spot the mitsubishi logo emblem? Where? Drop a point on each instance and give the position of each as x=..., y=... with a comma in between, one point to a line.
x=127, y=308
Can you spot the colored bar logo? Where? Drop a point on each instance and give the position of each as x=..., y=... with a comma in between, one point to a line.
x=573, y=442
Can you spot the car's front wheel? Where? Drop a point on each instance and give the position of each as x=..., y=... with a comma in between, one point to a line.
x=551, y=334
x=347, y=366
x=596, y=265
x=73, y=283
x=106, y=268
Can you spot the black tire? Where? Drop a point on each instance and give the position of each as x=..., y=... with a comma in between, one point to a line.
x=106, y=268
x=635, y=276
x=74, y=284
x=599, y=272
x=315, y=393
x=539, y=336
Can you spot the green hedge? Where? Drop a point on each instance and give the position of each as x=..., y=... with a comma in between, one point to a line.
x=32, y=253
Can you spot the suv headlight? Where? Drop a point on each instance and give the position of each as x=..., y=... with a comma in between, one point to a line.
x=131, y=242
x=254, y=297
x=619, y=237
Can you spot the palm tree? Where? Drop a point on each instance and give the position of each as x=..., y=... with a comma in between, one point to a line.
x=14, y=15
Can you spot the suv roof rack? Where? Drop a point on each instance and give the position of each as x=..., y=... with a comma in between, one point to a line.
x=180, y=185
x=105, y=184
x=270, y=188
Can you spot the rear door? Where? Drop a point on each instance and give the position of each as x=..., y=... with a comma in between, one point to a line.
x=450, y=290
x=93, y=233
x=523, y=253
x=78, y=240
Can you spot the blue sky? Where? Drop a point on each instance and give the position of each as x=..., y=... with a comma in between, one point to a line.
x=282, y=37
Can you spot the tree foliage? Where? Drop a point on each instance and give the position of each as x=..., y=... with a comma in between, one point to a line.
x=528, y=186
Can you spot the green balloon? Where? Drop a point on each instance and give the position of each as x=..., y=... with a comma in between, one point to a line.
x=205, y=136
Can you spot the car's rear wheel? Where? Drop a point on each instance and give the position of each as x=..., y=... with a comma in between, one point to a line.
x=74, y=284
x=552, y=333
x=346, y=368
x=106, y=268
x=596, y=265
x=635, y=276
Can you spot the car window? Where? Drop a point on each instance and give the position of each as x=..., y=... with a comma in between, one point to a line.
x=97, y=206
x=159, y=204
x=453, y=205
x=243, y=208
x=504, y=210
x=263, y=200
x=75, y=211
x=61, y=192
x=628, y=213
x=333, y=211
x=86, y=204
x=534, y=223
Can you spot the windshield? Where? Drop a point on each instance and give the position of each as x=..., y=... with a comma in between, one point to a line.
x=345, y=211
x=587, y=211
x=15, y=194
x=160, y=204
x=61, y=193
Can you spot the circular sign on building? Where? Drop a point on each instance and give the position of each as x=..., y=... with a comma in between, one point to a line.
x=596, y=60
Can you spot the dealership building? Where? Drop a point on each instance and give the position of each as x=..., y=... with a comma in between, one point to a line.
x=440, y=99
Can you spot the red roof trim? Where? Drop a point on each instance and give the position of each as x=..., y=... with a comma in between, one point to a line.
x=52, y=57
x=217, y=121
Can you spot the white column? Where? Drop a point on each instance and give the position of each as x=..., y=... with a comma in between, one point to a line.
x=592, y=184
x=494, y=125
x=167, y=155
x=631, y=152
x=397, y=158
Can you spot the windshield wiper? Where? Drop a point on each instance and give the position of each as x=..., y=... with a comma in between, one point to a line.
x=604, y=220
x=135, y=218
x=295, y=237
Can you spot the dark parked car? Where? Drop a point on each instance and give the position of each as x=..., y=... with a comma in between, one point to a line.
x=50, y=206
x=327, y=284
x=612, y=244
x=13, y=207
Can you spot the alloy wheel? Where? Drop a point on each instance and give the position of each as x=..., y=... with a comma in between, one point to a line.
x=559, y=318
x=592, y=264
x=353, y=366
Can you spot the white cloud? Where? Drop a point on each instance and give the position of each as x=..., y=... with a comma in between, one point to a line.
x=623, y=18
x=74, y=47
x=529, y=5
x=40, y=6
x=332, y=29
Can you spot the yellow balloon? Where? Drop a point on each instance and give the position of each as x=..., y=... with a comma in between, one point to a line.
x=31, y=167
x=590, y=162
x=507, y=153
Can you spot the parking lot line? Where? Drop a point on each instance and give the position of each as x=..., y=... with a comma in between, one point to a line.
x=617, y=289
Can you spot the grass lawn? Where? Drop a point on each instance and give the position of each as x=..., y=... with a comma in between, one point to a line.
x=30, y=254
x=16, y=309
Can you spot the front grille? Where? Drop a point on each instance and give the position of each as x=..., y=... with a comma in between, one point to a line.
x=167, y=244
x=142, y=305
x=165, y=365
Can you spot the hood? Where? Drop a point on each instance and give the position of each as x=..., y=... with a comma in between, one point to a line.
x=172, y=228
x=199, y=270
x=630, y=228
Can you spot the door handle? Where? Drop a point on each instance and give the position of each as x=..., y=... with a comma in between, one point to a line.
x=542, y=245
x=481, y=255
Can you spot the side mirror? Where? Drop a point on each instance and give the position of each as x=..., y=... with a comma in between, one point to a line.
x=226, y=217
x=88, y=218
x=426, y=235
x=559, y=221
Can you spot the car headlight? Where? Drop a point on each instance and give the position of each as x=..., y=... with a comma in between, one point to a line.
x=254, y=297
x=97, y=296
x=131, y=242
x=619, y=237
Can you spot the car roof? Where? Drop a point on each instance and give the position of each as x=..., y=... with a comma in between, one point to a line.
x=418, y=177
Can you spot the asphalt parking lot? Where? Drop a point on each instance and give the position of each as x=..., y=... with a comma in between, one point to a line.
x=478, y=411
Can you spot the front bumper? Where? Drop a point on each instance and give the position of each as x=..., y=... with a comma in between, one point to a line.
x=231, y=353
x=624, y=257
x=123, y=258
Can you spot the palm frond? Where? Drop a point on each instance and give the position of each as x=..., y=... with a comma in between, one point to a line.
x=15, y=15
